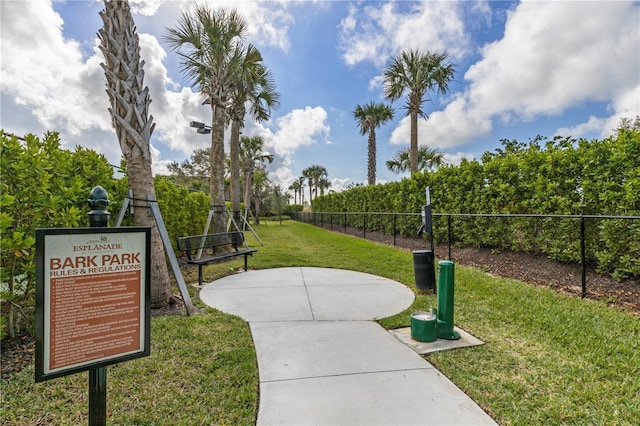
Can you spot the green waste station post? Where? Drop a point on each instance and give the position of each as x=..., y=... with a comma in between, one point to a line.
x=445, y=301
x=424, y=260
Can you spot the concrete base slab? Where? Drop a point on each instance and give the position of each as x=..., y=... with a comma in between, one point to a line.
x=466, y=340
x=416, y=397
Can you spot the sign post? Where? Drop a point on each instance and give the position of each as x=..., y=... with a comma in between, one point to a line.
x=98, y=218
x=92, y=300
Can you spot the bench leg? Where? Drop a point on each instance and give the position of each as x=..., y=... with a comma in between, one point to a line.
x=245, y=263
x=200, y=275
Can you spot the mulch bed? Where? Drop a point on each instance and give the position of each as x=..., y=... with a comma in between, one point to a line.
x=534, y=269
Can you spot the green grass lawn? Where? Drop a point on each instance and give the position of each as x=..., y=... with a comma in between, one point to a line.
x=548, y=358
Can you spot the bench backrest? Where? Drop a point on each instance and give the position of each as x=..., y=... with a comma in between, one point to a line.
x=192, y=244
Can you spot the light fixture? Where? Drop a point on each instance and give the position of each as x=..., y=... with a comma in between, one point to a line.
x=203, y=129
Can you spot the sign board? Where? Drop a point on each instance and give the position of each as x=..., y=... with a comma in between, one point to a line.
x=92, y=298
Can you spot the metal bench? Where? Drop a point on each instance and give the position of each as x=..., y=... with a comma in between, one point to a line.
x=204, y=249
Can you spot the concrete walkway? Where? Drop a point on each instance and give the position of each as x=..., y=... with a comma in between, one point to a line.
x=323, y=361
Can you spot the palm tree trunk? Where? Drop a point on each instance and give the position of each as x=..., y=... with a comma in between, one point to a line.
x=413, y=152
x=234, y=154
x=216, y=187
x=371, y=169
x=130, y=101
x=141, y=182
x=246, y=193
x=257, y=204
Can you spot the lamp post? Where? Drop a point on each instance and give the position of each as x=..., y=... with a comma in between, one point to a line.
x=201, y=127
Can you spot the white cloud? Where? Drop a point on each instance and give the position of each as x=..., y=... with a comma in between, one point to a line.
x=145, y=7
x=594, y=124
x=543, y=66
x=45, y=74
x=377, y=32
x=456, y=159
x=457, y=124
x=339, y=185
x=298, y=128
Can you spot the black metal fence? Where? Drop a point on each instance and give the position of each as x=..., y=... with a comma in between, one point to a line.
x=395, y=225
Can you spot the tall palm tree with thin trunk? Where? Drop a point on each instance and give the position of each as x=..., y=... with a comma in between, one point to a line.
x=295, y=187
x=369, y=117
x=130, y=117
x=254, y=88
x=212, y=53
x=251, y=157
x=301, y=180
x=417, y=73
x=428, y=159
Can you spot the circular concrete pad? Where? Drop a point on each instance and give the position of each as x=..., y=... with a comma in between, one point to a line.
x=307, y=294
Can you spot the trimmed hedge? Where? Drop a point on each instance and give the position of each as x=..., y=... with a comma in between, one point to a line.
x=559, y=176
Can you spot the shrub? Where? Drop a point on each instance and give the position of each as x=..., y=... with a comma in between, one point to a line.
x=42, y=186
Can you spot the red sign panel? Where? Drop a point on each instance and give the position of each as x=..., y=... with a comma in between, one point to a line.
x=92, y=298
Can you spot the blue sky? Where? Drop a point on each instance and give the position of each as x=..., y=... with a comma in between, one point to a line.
x=523, y=69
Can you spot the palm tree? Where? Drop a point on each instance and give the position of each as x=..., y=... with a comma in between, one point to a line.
x=259, y=189
x=428, y=159
x=314, y=174
x=296, y=187
x=129, y=110
x=301, y=180
x=369, y=117
x=323, y=184
x=210, y=47
x=255, y=86
x=251, y=156
x=417, y=73
x=307, y=174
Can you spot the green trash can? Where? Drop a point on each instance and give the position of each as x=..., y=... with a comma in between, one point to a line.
x=424, y=326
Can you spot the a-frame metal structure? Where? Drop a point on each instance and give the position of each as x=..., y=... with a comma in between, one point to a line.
x=152, y=205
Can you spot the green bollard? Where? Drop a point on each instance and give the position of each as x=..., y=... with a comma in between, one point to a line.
x=445, y=301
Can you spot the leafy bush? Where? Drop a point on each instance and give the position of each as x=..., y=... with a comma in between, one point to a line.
x=293, y=208
x=42, y=186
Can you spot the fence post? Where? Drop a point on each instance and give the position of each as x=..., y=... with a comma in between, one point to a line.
x=394, y=229
x=583, y=257
x=364, y=225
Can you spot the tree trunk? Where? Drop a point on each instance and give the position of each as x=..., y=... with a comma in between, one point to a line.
x=141, y=182
x=257, y=216
x=413, y=151
x=129, y=101
x=247, y=190
x=371, y=169
x=234, y=154
x=216, y=187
